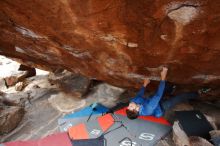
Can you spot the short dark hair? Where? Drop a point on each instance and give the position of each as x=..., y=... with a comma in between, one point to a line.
x=131, y=114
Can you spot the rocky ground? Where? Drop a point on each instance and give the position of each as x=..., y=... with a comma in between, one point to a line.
x=46, y=97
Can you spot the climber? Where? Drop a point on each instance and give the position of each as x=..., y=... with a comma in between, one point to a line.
x=139, y=105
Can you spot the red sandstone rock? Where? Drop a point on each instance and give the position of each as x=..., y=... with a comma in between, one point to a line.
x=119, y=42
x=11, y=81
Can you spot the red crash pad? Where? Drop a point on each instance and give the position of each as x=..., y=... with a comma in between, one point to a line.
x=59, y=139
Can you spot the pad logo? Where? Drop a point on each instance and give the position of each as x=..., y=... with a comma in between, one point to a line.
x=147, y=136
x=128, y=143
x=198, y=116
x=95, y=132
x=67, y=127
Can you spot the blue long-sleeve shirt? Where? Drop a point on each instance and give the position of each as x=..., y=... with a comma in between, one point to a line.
x=150, y=106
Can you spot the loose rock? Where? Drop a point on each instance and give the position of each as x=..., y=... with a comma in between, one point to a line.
x=198, y=141
x=10, y=118
x=20, y=86
x=179, y=136
x=29, y=71
x=11, y=81
x=215, y=137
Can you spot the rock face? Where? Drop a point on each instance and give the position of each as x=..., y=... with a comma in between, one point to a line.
x=119, y=42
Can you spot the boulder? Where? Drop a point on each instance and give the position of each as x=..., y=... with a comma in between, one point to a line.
x=103, y=93
x=120, y=42
x=10, y=118
x=198, y=141
x=215, y=137
x=29, y=71
x=11, y=81
x=179, y=136
x=70, y=83
x=162, y=143
x=212, y=121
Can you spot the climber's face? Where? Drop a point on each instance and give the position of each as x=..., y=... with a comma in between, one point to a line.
x=133, y=107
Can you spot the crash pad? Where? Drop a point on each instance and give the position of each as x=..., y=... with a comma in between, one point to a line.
x=59, y=139
x=194, y=123
x=117, y=129
x=83, y=115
